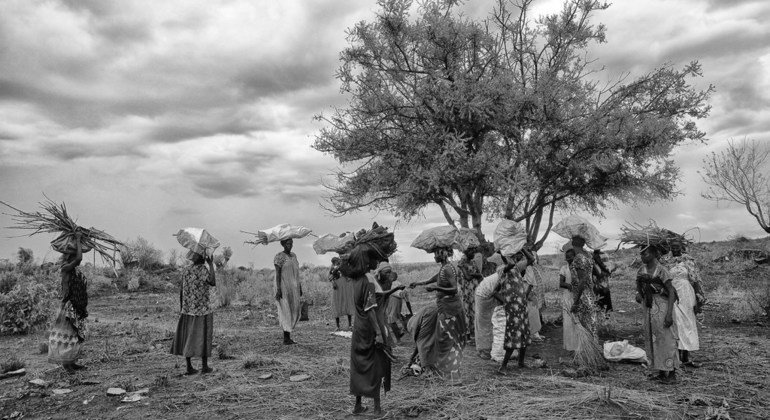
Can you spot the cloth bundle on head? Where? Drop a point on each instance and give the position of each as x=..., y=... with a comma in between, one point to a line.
x=376, y=244
x=574, y=225
x=447, y=236
x=279, y=233
x=334, y=243
x=197, y=241
x=651, y=235
x=509, y=237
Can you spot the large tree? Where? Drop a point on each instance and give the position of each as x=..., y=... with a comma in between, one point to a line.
x=503, y=116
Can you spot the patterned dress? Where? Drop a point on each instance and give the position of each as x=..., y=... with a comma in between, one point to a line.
x=586, y=311
x=513, y=288
x=289, y=307
x=467, y=282
x=342, y=294
x=569, y=337
x=195, y=329
x=66, y=337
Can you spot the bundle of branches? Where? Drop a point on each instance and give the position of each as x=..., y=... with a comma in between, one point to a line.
x=588, y=352
x=54, y=219
x=651, y=235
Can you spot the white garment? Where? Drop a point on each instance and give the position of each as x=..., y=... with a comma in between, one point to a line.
x=498, y=327
x=685, y=323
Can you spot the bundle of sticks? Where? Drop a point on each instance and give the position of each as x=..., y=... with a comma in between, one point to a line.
x=650, y=235
x=54, y=219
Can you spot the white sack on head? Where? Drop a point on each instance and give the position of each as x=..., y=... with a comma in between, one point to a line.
x=574, y=225
x=334, y=243
x=281, y=233
x=509, y=237
x=197, y=240
x=437, y=237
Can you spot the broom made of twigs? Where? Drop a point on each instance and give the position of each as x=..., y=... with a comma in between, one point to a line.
x=588, y=353
x=55, y=219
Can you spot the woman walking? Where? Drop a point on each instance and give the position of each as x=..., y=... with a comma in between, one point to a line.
x=195, y=329
x=288, y=289
x=66, y=338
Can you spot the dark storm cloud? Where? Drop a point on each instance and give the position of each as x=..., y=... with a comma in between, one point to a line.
x=72, y=150
x=248, y=160
x=211, y=183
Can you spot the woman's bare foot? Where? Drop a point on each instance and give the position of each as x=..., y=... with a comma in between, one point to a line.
x=206, y=369
x=191, y=371
x=360, y=409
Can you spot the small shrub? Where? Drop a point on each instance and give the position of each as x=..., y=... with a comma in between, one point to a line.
x=11, y=364
x=24, y=308
x=254, y=361
x=223, y=351
x=42, y=348
x=8, y=281
x=225, y=289
x=161, y=381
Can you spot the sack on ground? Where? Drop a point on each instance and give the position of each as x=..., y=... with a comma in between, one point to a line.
x=617, y=351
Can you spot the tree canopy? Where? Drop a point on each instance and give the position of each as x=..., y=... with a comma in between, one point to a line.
x=499, y=117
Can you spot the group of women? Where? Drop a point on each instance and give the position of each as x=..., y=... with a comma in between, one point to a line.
x=367, y=292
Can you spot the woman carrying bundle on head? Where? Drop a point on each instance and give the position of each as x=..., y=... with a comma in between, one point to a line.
x=588, y=352
x=687, y=283
x=658, y=296
x=370, y=356
x=195, y=329
x=288, y=289
x=68, y=333
x=441, y=335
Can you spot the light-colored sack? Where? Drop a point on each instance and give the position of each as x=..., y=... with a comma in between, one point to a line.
x=509, y=237
x=334, y=243
x=616, y=351
x=197, y=240
x=574, y=225
x=498, y=333
x=281, y=232
x=437, y=237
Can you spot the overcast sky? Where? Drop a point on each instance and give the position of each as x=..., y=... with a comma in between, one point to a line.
x=147, y=116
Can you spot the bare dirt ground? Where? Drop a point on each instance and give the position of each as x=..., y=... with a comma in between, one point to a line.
x=130, y=338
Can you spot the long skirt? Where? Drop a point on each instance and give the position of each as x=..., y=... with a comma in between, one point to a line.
x=439, y=334
x=517, y=333
x=498, y=331
x=533, y=313
x=193, y=336
x=289, y=307
x=393, y=311
x=468, y=292
x=685, y=323
x=586, y=313
x=483, y=320
x=370, y=368
x=66, y=337
x=342, y=298
x=569, y=339
x=660, y=342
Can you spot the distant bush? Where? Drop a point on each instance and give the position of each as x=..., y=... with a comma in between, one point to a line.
x=226, y=288
x=24, y=308
x=142, y=254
